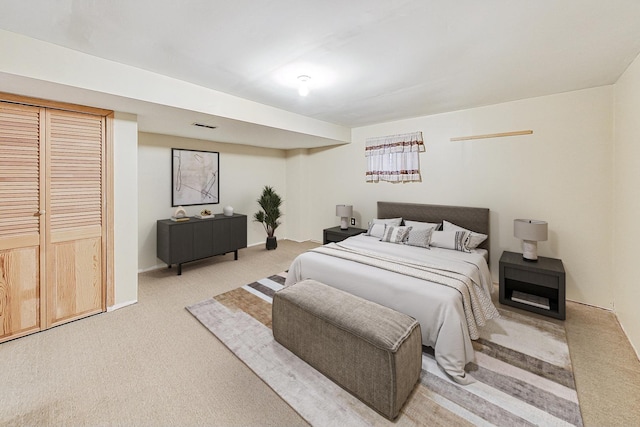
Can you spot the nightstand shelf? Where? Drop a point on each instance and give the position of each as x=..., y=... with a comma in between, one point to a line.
x=544, y=279
x=336, y=234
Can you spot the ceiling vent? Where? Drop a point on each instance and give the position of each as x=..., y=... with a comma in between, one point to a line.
x=202, y=125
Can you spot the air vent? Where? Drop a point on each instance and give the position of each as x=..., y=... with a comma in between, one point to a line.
x=202, y=125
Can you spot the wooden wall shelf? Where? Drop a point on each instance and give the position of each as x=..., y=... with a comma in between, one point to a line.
x=492, y=135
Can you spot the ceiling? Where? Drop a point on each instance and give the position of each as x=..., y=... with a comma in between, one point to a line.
x=370, y=61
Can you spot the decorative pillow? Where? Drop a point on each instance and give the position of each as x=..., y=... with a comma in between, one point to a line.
x=420, y=237
x=376, y=230
x=417, y=225
x=456, y=240
x=395, y=234
x=389, y=221
x=474, y=239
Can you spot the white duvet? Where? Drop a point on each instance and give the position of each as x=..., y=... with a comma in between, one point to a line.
x=438, y=308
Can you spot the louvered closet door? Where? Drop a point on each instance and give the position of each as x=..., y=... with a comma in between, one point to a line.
x=74, y=218
x=20, y=233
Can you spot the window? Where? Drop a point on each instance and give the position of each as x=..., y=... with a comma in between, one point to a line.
x=394, y=158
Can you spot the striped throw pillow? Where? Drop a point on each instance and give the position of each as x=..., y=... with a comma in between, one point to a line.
x=456, y=240
x=395, y=234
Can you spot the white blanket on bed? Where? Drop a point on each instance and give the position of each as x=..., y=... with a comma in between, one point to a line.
x=438, y=308
x=462, y=276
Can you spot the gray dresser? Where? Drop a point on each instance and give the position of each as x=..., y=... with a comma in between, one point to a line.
x=180, y=242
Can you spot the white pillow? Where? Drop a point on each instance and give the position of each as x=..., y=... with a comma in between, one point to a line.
x=389, y=221
x=376, y=230
x=395, y=234
x=420, y=237
x=417, y=225
x=474, y=239
x=456, y=240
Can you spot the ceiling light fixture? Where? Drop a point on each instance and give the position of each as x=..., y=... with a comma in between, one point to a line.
x=303, y=85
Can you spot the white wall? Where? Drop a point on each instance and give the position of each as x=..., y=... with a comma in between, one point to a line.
x=626, y=217
x=561, y=174
x=244, y=171
x=299, y=200
x=125, y=178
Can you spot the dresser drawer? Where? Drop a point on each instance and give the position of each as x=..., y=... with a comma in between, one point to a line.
x=336, y=234
x=335, y=237
x=540, y=279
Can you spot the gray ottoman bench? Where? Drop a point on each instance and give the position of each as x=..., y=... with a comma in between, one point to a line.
x=371, y=351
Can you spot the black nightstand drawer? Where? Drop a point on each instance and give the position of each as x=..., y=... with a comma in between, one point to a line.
x=539, y=279
x=336, y=234
x=334, y=237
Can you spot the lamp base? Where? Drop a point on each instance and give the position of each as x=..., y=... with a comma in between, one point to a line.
x=530, y=250
x=344, y=223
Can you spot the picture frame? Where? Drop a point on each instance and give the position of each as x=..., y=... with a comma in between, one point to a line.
x=195, y=177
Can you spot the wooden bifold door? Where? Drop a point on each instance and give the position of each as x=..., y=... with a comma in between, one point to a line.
x=52, y=217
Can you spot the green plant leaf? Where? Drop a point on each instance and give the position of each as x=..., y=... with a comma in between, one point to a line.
x=270, y=203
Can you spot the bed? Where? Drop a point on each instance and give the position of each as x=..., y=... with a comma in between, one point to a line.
x=447, y=291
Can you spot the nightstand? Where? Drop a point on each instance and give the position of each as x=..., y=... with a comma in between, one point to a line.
x=335, y=234
x=533, y=286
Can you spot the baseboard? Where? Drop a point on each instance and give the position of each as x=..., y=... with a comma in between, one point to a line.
x=627, y=335
x=284, y=238
x=154, y=267
x=121, y=305
x=303, y=241
x=592, y=305
x=263, y=242
x=250, y=245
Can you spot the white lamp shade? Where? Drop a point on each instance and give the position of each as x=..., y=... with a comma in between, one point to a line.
x=344, y=210
x=530, y=229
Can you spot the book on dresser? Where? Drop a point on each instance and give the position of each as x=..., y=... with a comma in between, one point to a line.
x=534, y=300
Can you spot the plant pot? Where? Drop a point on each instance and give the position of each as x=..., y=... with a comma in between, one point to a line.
x=272, y=243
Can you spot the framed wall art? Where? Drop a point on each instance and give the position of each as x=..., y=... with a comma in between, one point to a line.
x=195, y=177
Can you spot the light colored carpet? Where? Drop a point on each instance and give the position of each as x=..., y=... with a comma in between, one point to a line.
x=523, y=370
x=153, y=364
x=149, y=364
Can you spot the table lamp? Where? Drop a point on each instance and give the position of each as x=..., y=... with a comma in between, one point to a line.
x=531, y=232
x=344, y=212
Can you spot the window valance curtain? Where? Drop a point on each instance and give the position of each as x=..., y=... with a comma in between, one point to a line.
x=394, y=158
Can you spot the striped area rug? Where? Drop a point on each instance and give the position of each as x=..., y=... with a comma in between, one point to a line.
x=523, y=371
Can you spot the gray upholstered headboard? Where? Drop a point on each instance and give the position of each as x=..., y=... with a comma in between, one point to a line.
x=474, y=219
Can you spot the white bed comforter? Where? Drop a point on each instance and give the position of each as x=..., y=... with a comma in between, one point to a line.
x=423, y=283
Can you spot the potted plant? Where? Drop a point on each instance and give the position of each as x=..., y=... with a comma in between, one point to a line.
x=270, y=203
